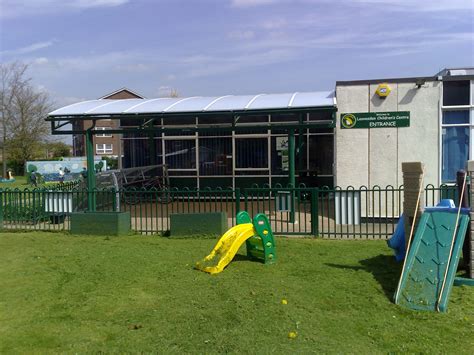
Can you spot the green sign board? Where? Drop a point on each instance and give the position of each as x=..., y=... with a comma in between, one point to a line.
x=375, y=119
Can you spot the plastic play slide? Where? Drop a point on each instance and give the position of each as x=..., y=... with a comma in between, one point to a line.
x=259, y=241
x=397, y=241
x=428, y=274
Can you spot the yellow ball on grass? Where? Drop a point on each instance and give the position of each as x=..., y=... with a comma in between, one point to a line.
x=292, y=335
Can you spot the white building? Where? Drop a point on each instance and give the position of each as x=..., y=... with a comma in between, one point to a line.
x=438, y=110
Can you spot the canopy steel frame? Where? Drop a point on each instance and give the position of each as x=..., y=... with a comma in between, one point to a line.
x=148, y=127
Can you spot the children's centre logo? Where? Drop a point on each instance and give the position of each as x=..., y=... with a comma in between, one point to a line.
x=348, y=120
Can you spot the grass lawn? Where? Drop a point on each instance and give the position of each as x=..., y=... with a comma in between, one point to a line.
x=20, y=182
x=60, y=293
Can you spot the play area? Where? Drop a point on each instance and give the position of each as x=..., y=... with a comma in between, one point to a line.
x=120, y=291
x=89, y=294
x=257, y=236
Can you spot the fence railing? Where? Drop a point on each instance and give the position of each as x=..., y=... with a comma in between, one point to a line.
x=367, y=213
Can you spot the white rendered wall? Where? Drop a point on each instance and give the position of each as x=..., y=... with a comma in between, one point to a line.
x=373, y=156
x=351, y=145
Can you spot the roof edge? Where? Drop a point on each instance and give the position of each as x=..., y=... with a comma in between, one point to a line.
x=123, y=89
x=389, y=80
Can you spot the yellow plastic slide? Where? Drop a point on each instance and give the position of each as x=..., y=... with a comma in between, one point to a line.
x=226, y=248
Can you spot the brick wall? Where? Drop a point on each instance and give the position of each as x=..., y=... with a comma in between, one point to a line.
x=115, y=140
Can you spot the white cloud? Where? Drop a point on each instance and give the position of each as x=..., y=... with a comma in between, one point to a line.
x=231, y=62
x=27, y=49
x=250, y=3
x=40, y=61
x=241, y=35
x=421, y=6
x=96, y=62
x=112, y=64
x=21, y=8
x=275, y=24
x=164, y=91
x=405, y=5
x=132, y=67
x=96, y=3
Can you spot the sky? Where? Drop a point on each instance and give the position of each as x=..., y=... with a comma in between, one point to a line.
x=84, y=49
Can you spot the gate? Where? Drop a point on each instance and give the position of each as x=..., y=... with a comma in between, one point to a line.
x=291, y=211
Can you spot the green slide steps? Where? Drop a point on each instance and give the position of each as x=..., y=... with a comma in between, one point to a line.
x=262, y=245
x=428, y=261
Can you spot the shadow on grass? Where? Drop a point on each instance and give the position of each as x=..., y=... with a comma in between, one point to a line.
x=384, y=268
x=242, y=257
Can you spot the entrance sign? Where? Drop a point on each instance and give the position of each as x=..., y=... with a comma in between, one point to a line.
x=375, y=119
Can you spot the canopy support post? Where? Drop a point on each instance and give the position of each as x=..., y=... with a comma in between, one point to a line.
x=291, y=172
x=91, y=201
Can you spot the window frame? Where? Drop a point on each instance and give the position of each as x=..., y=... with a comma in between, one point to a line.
x=104, y=149
x=443, y=108
x=103, y=135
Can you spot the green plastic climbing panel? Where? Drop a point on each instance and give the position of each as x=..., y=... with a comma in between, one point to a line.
x=422, y=278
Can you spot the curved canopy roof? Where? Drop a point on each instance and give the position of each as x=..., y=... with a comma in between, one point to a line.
x=198, y=104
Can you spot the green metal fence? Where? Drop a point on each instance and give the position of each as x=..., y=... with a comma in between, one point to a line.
x=151, y=209
x=291, y=211
x=367, y=213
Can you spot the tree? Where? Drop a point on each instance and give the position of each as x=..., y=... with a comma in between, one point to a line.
x=23, y=112
x=12, y=78
x=57, y=150
x=174, y=92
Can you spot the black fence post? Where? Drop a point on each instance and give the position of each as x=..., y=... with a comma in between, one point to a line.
x=314, y=211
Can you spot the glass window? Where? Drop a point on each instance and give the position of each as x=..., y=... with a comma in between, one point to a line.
x=456, y=93
x=137, y=152
x=103, y=148
x=215, y=156
x=455, y=151
x=179, y=121
x=321, y=130
x=105, y=134
x=455, y=117
x=212, y=120
x=286, y=117
x=321, y=154
x=182, y=173
x=280, y=157
x=131, y=122
x=323, y=115
x=251, y=172
x=251, y=119
x=180, y=154
x=243, y=182
x=214, y=182
x=180, y=125
x=324, y=118
x=472, y=92
x=251, y=153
